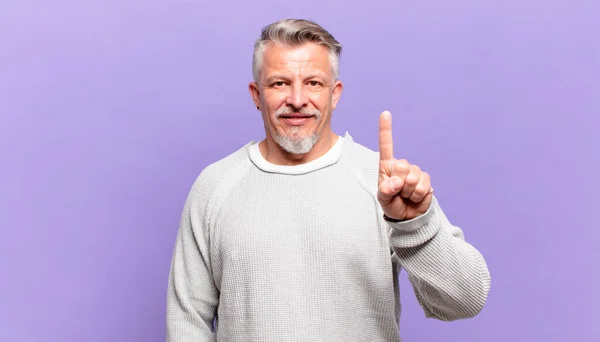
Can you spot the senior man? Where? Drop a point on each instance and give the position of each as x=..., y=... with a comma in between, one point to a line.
x=301, y=236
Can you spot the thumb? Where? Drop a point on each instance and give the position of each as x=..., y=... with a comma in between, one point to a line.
x=389, y=188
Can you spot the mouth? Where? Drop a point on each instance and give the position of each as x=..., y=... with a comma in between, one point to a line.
x=296, y=119
x=295, y=116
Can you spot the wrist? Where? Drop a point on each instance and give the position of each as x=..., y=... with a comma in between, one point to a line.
x=391, y=219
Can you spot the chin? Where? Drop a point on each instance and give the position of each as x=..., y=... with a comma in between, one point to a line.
x=297, y=145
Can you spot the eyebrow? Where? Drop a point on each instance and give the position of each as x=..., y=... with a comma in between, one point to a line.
x=272, y=78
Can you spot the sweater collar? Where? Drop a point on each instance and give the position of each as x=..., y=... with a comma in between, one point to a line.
x=331, y=157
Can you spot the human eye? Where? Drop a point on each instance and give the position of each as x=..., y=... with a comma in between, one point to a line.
x=314, y=83
x=278, y=84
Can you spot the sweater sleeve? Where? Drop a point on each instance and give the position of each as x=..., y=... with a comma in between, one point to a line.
x=192, y=297
x=449, y=276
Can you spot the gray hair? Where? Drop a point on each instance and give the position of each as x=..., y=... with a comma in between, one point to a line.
x=294, y=32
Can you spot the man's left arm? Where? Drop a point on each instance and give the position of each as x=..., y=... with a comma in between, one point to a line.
x=449, y=276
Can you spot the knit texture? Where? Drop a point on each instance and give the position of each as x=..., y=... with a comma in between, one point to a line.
x=303, y=254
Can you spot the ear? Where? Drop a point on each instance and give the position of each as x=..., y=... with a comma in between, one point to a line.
x=337, y=93
x=254, y=93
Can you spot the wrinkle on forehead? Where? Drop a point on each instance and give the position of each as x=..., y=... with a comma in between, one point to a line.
x=308, y=59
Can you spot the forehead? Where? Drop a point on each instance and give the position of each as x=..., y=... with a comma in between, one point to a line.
x=307, y=57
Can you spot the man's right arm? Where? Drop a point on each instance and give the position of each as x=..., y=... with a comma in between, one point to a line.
x=192, y=297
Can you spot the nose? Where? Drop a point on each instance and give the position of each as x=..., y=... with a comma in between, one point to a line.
x=298, y=96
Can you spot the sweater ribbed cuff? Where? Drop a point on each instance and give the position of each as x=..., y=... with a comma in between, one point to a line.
x=418, y=230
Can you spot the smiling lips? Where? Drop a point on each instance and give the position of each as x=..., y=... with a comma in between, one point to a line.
x=296, y=119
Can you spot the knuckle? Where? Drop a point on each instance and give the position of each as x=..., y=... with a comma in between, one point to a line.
x=412, y=179
x=416, y=198
x=421, y=189
x=384, y=189
x=402, y=165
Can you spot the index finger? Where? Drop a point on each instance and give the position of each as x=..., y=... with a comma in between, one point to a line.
x=386, y=144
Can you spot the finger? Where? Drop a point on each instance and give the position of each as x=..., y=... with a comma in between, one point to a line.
x=386, y=144
x=422, y=189
x=388, y=189
x=411, y=181
x=393, y=172
x=399, y=168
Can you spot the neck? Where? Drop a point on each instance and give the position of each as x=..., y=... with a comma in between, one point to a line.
x=274, y=154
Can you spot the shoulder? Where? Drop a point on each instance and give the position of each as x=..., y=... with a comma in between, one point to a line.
x=363, y=158
x=219, y=175
x=363, y=165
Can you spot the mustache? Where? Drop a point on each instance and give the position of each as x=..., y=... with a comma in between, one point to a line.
x=290, y=110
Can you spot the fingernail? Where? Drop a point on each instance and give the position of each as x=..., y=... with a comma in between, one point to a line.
x=395, y=184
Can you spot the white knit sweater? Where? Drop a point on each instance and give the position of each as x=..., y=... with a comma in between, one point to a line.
x=302, y=253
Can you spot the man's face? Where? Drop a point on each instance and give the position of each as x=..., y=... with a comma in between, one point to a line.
x=296, y=94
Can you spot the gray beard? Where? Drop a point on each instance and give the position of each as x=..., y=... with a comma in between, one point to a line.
x=296, y=146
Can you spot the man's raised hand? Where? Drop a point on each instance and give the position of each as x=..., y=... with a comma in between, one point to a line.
x=404, y=190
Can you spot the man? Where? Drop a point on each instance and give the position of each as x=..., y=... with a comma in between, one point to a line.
x=301, y=236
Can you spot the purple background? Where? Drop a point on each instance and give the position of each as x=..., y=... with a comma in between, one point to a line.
x=110, y=109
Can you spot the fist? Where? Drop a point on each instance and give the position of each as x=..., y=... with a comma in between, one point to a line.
x=404, y=190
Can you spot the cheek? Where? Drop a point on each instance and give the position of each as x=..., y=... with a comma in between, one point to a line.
x=274, y=97
x=273, y=102
x=321, y=101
